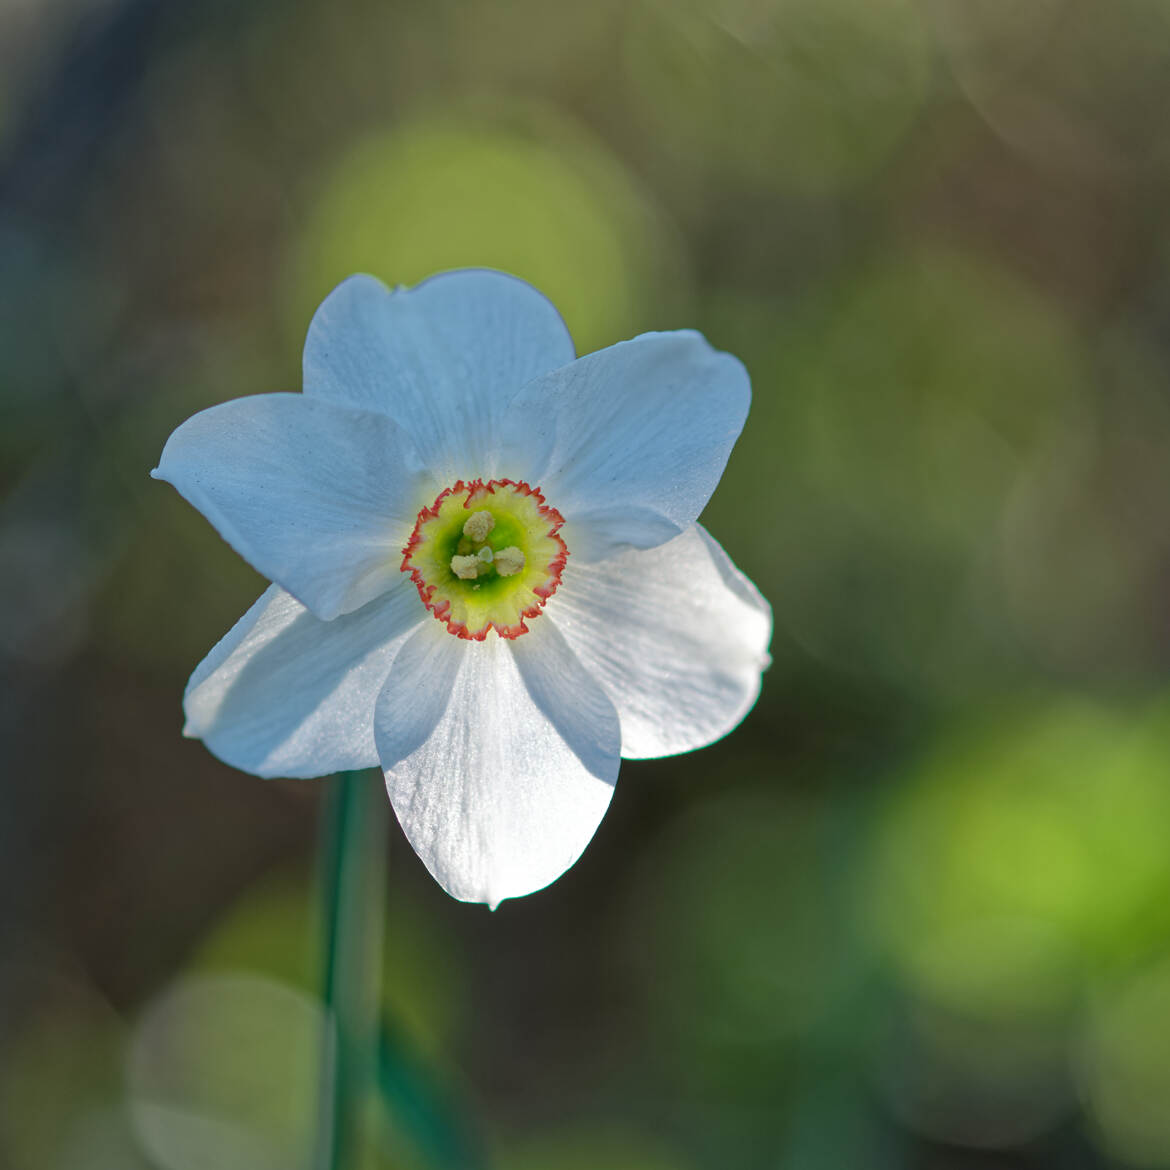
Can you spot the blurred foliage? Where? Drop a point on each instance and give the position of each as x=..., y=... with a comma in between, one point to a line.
x=274, y=931
x=750, y=952
x=1069, y=82
x=222, y=1071
x=797, y=94
x=1022, y=862
x=1127, y=1067
x=914, y=911
x=585, y=1149
x=1059, y=814
x=899, y=413
x=60, y=1099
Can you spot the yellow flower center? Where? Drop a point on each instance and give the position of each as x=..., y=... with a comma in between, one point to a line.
x=485, y=556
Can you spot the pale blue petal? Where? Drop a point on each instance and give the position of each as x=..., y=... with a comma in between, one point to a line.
x=317, y=497
x=442, y=358
x=500, y=758
x=286, y=694
x=676, y=635
x=593, y=536
x=647, y=424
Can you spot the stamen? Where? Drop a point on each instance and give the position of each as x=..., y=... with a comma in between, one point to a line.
x=465, y=568
x=478, y=525
x=509, y=561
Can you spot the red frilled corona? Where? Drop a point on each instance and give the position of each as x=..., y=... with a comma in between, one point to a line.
x=486, y=556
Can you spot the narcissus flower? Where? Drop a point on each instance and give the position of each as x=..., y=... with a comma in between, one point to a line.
x=487, y=573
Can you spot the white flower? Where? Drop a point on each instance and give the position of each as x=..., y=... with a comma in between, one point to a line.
x=450, y=459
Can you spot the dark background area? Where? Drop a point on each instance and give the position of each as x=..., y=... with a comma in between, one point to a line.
x=916, y=911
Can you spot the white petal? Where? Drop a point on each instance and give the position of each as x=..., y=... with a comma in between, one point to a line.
x=442, y=358
x=500, y=758
x=592, y=536
x=676, y=635
x=647, y=424
x=286, y=694
x=318, y=498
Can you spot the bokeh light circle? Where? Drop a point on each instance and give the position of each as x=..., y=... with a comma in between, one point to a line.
x=1073, y=84
x=807, y=95
x=895, y=414
x=525, y=192
x=1022, y=858
x=223, y=1071
x=1057, y=813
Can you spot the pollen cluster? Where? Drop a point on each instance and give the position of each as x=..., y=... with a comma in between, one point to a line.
x=486, y=556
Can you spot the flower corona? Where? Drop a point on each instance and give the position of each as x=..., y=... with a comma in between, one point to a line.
x=486, y=556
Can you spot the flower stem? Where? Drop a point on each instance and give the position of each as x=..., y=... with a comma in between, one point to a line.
x=353, y=894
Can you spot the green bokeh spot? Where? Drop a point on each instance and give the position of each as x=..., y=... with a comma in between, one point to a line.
x=1023, y=847
x=528, y=195
x=1128, y=1064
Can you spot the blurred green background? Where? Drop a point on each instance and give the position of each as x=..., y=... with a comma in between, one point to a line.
x=916, y=911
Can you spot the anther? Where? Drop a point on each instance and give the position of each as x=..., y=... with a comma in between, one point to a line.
x=478, y=525
x=465, y=568
x=509, y=561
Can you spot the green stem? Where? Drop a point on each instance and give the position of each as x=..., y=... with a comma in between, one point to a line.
x=353, y=894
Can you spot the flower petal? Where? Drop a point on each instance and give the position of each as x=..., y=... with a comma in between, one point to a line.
x=286, y=694
x=676, y=635
x=318, y=498
x=500, y=758
x=646, y=424
x=443, y=358
x=593, y=536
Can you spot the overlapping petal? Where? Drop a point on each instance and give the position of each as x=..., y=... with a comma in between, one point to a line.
x=317, y=497
x=443, y=358
x=676, y=635
x=500, y=758
x=286, y=694
x=603, y=532
x=645, y=425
